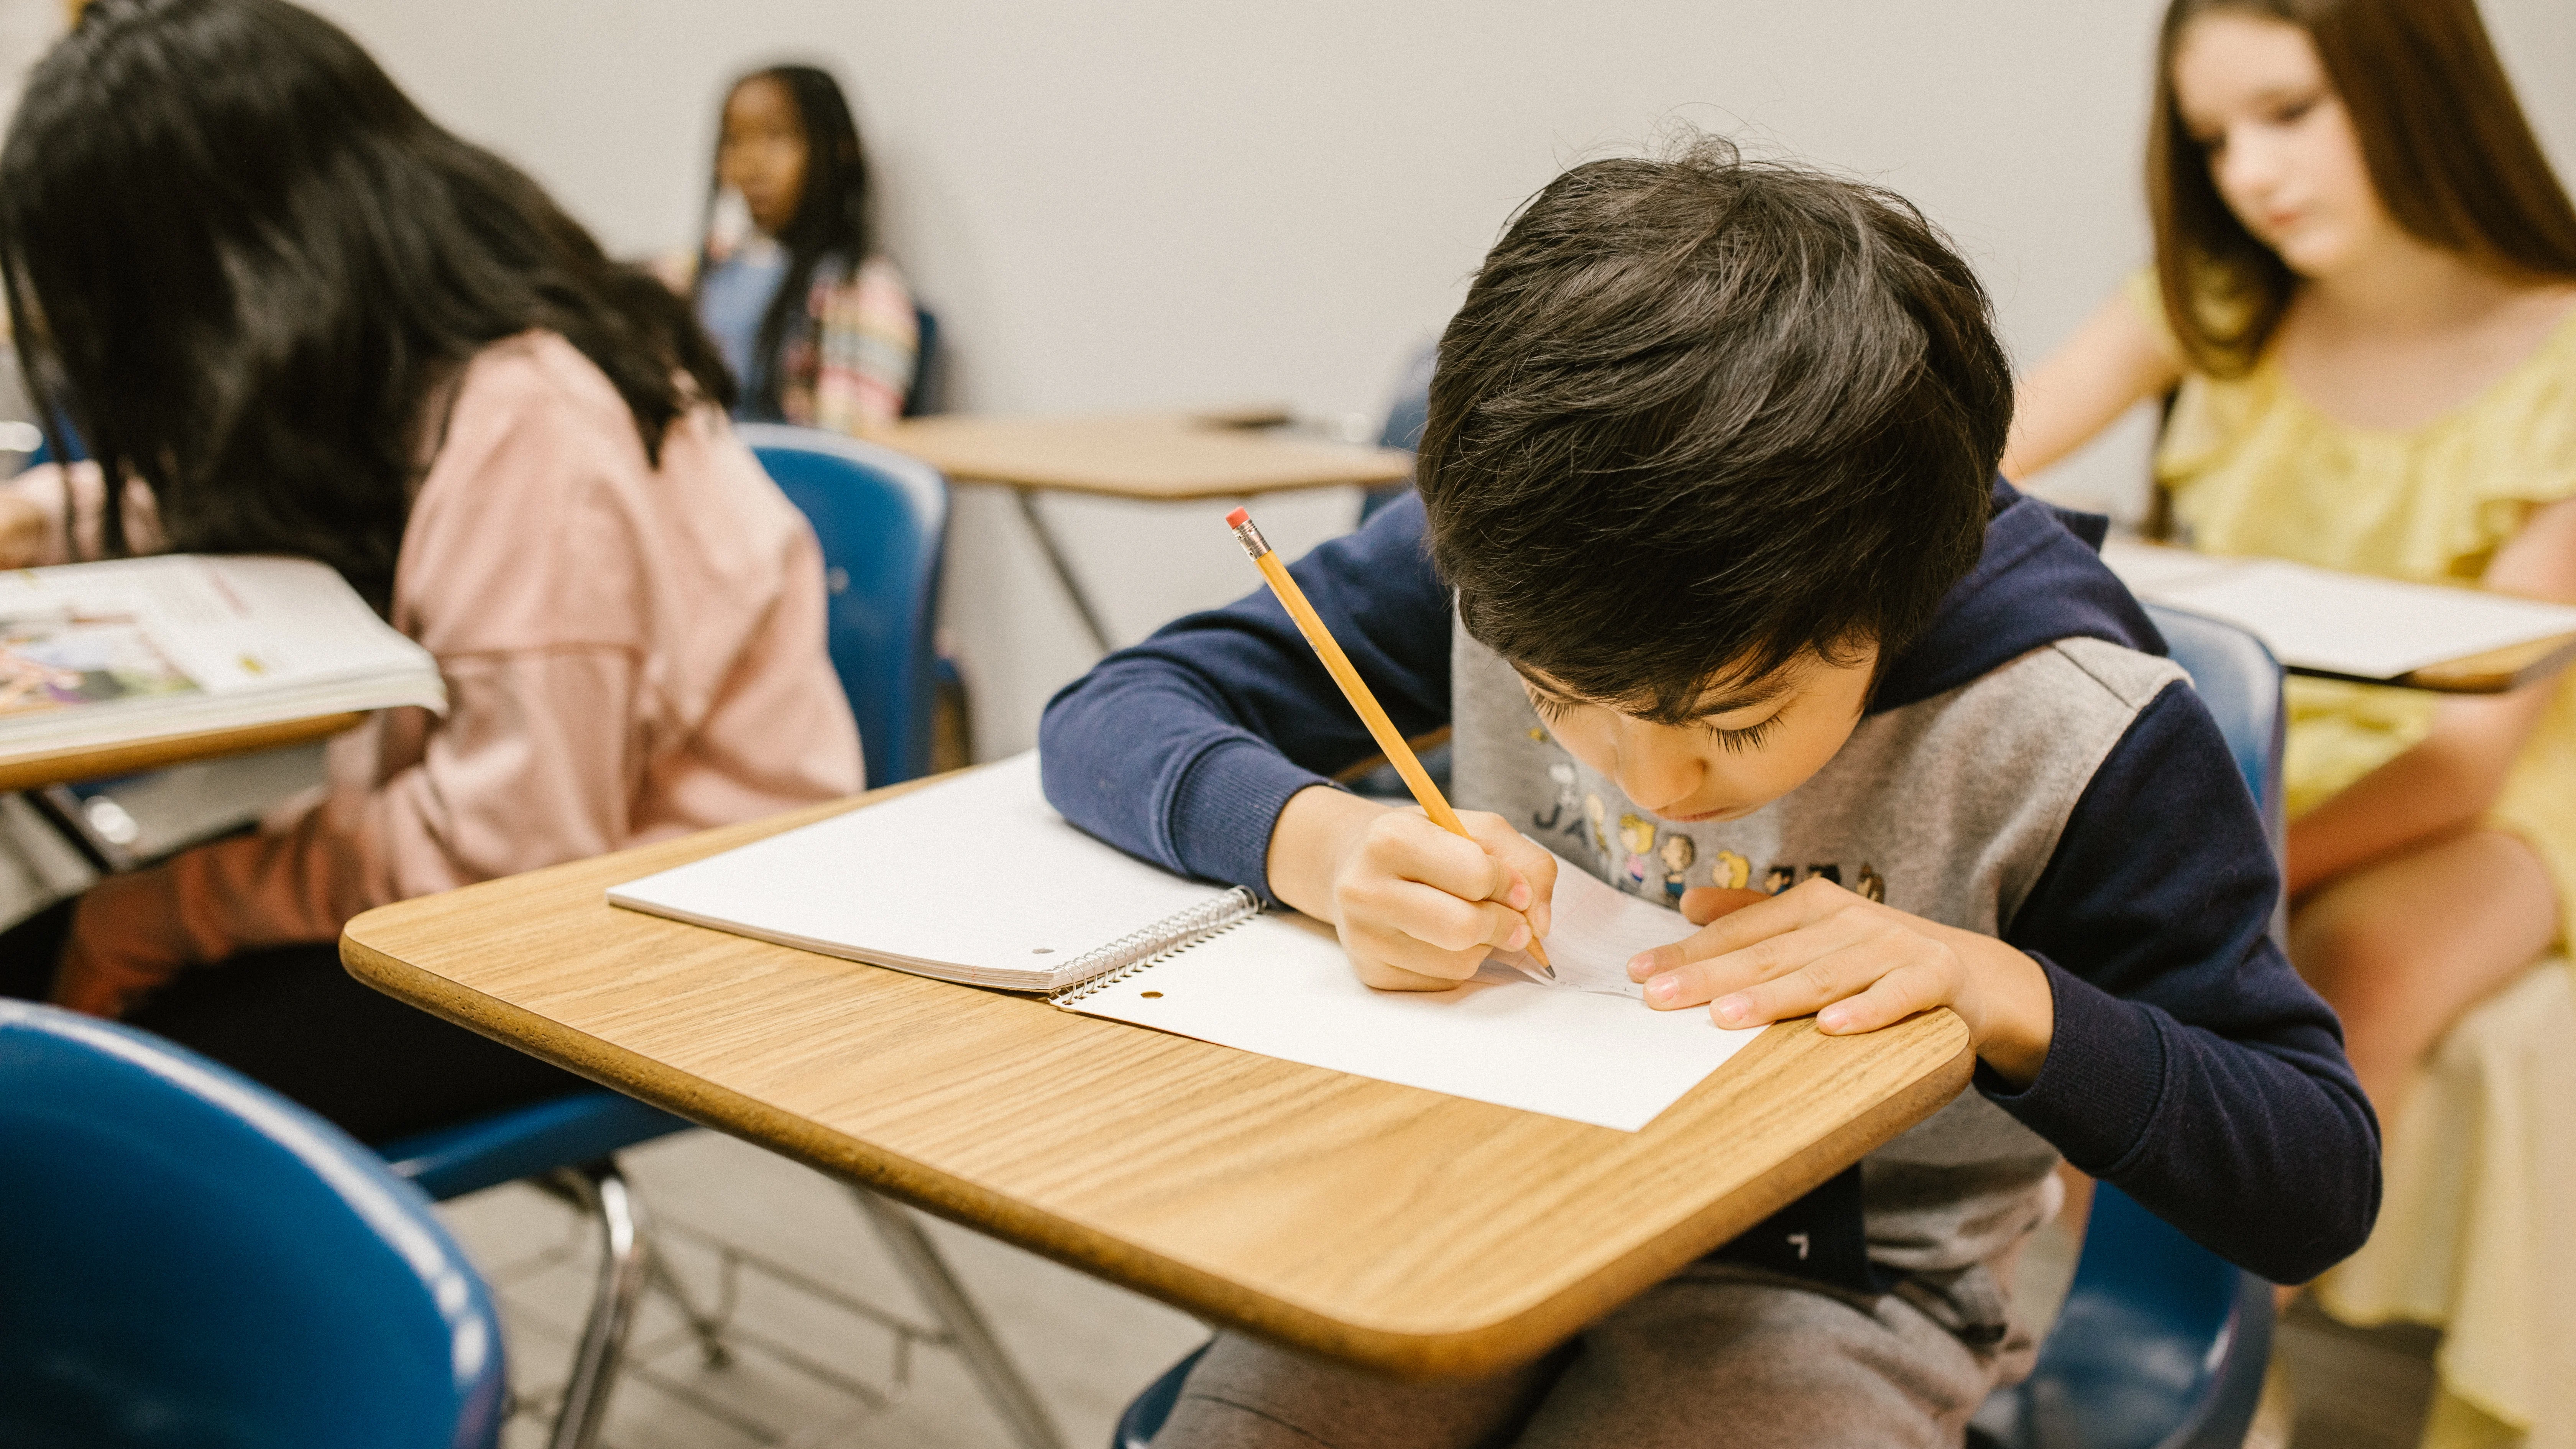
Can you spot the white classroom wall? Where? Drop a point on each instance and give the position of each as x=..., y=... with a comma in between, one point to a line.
x=1159, y=203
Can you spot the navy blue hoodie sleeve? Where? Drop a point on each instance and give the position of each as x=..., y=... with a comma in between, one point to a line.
x=1184, y=748
x=2191, y=1066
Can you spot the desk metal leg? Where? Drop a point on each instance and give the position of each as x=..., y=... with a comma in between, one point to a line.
x=1064, y=574
x=947, y=1300
x=623, y=1254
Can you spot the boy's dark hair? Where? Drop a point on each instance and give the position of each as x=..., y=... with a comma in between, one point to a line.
x=1703, y=414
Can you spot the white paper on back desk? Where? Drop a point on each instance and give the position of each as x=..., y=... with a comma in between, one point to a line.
x=971, y=878
x=2338, y=623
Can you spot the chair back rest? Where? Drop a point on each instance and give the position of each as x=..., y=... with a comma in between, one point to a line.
x=2240, y=682
x=191, y=1260
x=924, y=394
x=1407, y=414
x=882, y=519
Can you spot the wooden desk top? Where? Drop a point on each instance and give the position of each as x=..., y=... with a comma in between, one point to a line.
x=2497, y=670
x=1385, y=1225
x=1165, y=457
x=75, y=763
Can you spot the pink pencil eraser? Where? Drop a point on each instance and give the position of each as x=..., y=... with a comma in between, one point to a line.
x=1238, y=518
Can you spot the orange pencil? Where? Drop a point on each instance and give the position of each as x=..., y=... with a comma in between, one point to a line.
x=1356, y=690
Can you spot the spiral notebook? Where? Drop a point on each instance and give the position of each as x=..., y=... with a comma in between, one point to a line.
x=977, y=881
x=974, y=880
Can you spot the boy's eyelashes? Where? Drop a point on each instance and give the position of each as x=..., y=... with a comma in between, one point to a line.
x=1553, y=708
x=1746, y=737
x=1550, y=707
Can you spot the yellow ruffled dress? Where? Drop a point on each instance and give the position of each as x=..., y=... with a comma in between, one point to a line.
x=2477, y=1234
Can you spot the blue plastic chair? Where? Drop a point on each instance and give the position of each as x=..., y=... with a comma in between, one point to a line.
x=882, y=518
x=2162, y=1343
x=190, y=1260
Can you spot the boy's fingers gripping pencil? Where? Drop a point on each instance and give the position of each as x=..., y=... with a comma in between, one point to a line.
x=1356, y=690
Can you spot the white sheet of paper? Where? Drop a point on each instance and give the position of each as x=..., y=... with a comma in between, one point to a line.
x=1595, y=930
x=1280, y=985
x=1585, y=1047
x=2340, y=623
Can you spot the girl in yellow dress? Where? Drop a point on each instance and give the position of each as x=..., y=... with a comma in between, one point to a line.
x=2364, y=305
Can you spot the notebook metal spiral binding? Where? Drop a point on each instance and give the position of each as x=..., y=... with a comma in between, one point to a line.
x=1245, y=909
x=1233, y=907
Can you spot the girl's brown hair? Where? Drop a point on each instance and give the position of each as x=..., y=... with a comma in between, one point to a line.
x=2441, y=135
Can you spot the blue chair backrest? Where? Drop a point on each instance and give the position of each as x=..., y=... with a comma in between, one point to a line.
x=1407, y=414
x=923, y=396
x=189, y=1260
x=78, y=451
x=2240, y=682
x=1409, y=411
x=882, y=519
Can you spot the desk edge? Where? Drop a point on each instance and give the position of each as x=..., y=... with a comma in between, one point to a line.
x=74, y=763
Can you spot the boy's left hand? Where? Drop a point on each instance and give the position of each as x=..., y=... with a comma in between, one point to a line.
x=1857, y=964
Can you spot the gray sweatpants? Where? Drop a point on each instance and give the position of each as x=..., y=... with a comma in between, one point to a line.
x=1716, y=1357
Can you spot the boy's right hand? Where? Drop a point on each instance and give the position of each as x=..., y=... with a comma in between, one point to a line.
x=1418, y=908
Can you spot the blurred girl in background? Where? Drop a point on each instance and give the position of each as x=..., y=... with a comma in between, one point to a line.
x=2364, y=306
x=291, y=314
x=816, y=324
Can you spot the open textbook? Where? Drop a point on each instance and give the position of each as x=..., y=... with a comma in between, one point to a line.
x=99, y=654
x=2336, y=623
x=977, y=880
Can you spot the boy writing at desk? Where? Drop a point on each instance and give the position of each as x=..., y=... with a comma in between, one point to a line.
x=1708, y=511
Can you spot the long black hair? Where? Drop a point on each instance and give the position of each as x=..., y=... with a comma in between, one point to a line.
x=242, y=263
x=832, y=217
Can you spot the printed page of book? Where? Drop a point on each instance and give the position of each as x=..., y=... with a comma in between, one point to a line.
x=975, y=879
x=1586, y=1048
x=2341, y=623
x=101, y=653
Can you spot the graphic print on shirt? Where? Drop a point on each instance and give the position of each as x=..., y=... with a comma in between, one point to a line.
x=1779, y=878
x=1637, y=836
x=1565, y=813
x=1730, y=871
x=1678, y=851
x=1869, y=887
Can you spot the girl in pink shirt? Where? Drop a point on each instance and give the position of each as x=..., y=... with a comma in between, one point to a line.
x=290, y=314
